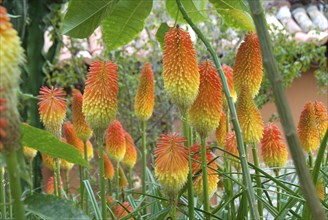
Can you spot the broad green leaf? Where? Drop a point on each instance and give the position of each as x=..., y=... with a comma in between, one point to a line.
x=160, y=34
x=234, y=14
x=84, y=16
x=196, y=9
x=51, y=207
x=125, y=22
x=45, y=142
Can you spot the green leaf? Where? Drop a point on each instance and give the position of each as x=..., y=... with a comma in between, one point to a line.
x=234, y=14
x=196, y=9
x=84, y=16
x=45, y=142
x=160, y=34
x=51, y=207
x=125, y=22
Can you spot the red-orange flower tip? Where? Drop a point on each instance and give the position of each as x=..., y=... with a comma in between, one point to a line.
x=145, y=98
x=109, y=168
x=115, y=141
x=308, y=129
x=180, y=70
x=221, y=130
x=52, y=109
x=100, y=96
x=82, y=129
x=274, y=151
x=49, y=188
x=249, y=117
x=205, y=112
x=171, y=163
x=321, y=117
x=248, y=69
x=231, y=146
x=212, y=175
x=123, y=210
x=228, y=72
x=130, y=157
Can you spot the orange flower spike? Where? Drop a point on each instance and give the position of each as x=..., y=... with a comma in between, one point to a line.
x=231, y=146
x=82, y=129
x=100, y=96
x=145, y=98
x=249, y=117
x=321, y=118
x=72, y=139
x=109, y=168
x=274, y=151
x=29, y=153
x=307, y=128
x=115, y=141
x=48, y=162
x=49, y=188
x=228, y=72
x=180, y=70
x=212, y=178
x=205, y=112
x=52, y=109
x=248, y=68
x=221, y=130
x=121, y=212
x=130, y=157
x=171, y=163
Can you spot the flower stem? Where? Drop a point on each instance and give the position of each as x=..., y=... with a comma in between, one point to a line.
x=191, y=210
x=144, y=160
x=109, y=184
x=285, y=115
x=67, y=182
x=2, y=194
x=31, y=175
x=310, y=159
x=81, y=186
x=276, y=171
x=85, y=174
x=15, y=185
x=117, y=177
x=204, y=177
x=57, y=170
x=244, y=165
x=102, y=178
x=258, y=179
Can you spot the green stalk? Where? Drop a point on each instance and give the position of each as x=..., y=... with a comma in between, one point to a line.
x=85, y=175
x=10, y=205
x=204, y=177
x=58, y=177
x=130, y=179
x=2, y=194
x=191, y=210
x=55, y=181
x=81, y=186
x=109, y=183
x=276, y=171
x=102, y=178
x=310, y=159
x=67, y=182
x=246, y=174
x=144, y=160
x=320, y=155
x=117, y=177
x=286, y=119
x=173, y=212
x=258, y=180
x=15, y=185
x=31, y=175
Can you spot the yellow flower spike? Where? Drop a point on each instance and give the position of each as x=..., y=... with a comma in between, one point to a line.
x=274, y=151
x=307, y=128
x=249, y=117
x=180, y=69
x=115, y=141
x=64, y=164
x=213, y=176
x=82, y=129
x=171, y=163
x=11, y=52
x=248, y=68
x=321, y=117
x=145, y=97
x=221, y=130
x=123, y=181
x=52, y=109
x=29, y=153
x=100, y=96
x=130, y=157
x=72, y=139
x=228, y=72
x=231, y=146
x=205, y=112
x=109, y=168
